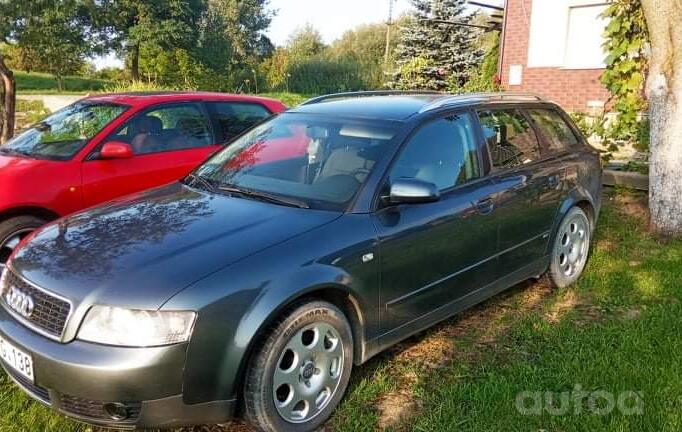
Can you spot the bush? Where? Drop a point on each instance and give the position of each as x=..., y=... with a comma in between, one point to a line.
x=319, y=76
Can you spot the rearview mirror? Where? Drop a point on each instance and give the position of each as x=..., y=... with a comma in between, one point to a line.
x=116, y=150
x=412, y=191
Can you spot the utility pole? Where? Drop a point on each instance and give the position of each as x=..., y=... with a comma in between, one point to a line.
x=389, y=24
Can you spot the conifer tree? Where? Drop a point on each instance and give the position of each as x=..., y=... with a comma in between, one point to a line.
x=433, y=52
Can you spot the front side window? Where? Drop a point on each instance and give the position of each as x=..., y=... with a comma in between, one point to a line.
x=176, y=127
x=233, y=118
x=556, y=133
x=510, y=139
x=443, y=153
x=316, y=160
x=63, y=134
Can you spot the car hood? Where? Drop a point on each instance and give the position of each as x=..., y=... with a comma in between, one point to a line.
x=139, y=251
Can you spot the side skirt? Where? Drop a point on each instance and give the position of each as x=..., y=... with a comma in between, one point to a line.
x=449, y=309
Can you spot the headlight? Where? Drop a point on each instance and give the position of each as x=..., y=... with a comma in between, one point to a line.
x=136, y=328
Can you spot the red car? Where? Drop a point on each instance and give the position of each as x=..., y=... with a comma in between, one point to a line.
x=107, y=146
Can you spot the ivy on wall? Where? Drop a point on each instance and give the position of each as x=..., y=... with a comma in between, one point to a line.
x=626, y=45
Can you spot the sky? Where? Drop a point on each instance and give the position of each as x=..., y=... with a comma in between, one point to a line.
x=330, y=17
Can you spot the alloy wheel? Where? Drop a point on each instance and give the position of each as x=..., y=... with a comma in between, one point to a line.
x=572, y=246
x=308, y=372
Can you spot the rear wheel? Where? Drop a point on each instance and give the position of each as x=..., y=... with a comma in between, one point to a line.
x=299, y=374
x=571, y=248
x=12, y=231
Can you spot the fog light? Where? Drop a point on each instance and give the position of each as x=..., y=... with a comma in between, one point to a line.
x=116, y=411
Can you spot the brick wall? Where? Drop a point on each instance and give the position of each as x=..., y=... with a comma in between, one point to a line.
x=570, y=88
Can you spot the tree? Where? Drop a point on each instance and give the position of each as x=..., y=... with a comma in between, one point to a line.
x=54, y=40
x=447, y=52
x=664, y=92
x=8, y=84
x=138, y=23
x=305, y=42
x=243, y=25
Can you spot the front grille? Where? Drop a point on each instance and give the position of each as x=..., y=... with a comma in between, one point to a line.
x=49, y=312
x=32, y=389
x=94, y=410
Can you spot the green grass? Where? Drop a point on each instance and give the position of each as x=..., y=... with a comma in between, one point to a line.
x=618, y=329
x=42, y=83
x=288, y=99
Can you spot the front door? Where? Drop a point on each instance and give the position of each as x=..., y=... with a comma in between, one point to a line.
x=168, y=142
x=433, y=254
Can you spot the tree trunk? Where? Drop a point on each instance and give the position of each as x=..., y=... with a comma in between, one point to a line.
x=135, y=62
x=9, y=101
x=60, y=83
x=664, y=92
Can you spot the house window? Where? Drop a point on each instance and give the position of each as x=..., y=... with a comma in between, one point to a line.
x=567, y=34
x=584, y=37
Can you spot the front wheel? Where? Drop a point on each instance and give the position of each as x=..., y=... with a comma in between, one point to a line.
x=571, y=248
x=299, y=374
x=12, y=231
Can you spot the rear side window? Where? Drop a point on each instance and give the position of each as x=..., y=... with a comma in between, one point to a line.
x=510, y=139
x=442, y=152
x=233, y=118
x=557, y=135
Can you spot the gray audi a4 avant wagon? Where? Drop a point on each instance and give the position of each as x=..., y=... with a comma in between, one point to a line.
x=306, y=246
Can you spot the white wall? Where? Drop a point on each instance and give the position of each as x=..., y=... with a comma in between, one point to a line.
x=566, y=34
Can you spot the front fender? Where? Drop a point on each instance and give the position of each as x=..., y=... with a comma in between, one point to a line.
x=236, y=304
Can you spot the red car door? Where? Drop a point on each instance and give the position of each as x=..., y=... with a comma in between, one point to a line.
x=168, y=141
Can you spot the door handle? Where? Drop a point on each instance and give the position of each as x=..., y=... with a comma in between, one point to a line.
x=485, y=206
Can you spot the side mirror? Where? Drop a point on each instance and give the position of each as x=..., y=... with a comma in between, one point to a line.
x=412, y=191
x=116, y=150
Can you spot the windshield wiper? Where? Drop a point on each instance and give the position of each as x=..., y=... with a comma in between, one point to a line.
x=264, y=196
x=195, y=179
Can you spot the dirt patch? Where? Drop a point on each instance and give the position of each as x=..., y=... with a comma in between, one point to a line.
x=568, y=302
x=483, y=326
x=635, y=205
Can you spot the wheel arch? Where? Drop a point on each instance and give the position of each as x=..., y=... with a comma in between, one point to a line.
x=39, y=212
x=338, y=295
x=578, y=197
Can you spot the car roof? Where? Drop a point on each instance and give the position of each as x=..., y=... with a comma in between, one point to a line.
x=151, y=98
x=401, y=106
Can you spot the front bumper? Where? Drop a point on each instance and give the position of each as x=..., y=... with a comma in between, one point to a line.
x=82, y=380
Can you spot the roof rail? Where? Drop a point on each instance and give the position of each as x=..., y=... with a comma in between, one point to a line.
x=500, y=96
x=369, y=94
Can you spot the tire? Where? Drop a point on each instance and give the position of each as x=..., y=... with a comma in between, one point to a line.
x=570, y=249
x=12, y=231
x=300, y=371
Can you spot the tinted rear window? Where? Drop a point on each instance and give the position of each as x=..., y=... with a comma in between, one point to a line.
x=233, y=118
x=511, y=140
x=556, y=133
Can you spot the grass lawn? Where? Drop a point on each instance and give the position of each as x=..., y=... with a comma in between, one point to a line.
x=42, y=83
x=617, y=330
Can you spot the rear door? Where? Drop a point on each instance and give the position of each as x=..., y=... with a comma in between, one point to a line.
x=168, y=141
x=525, y=187
x=433, y=254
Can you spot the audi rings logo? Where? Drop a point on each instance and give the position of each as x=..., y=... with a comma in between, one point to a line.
x=19, y=301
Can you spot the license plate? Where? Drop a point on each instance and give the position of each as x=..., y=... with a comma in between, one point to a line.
x=16, y=359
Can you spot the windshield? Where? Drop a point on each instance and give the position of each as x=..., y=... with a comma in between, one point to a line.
x=63, y=134
x=315, y=160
